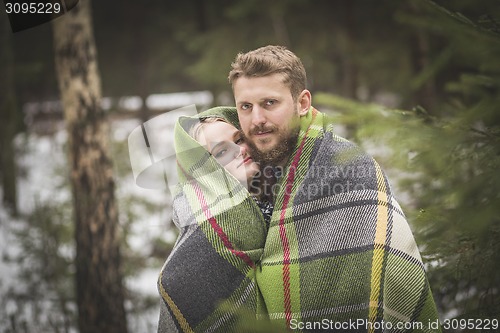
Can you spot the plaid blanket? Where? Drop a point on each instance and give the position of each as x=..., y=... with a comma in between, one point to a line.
x=208, y=282
x=338, y=255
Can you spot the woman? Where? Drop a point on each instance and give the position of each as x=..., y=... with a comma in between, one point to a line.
x=227, y=145
x=208, y=281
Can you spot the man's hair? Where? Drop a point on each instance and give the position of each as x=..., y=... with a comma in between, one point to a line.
x=270, y=60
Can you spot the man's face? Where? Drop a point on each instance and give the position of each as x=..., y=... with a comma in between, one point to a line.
x=269, y=116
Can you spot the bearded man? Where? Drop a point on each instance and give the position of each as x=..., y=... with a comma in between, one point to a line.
x=339, y=251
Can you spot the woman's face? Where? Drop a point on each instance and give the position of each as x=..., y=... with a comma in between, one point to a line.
x=227, y=146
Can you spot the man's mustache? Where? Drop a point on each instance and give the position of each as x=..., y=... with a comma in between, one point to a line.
x=262, y=128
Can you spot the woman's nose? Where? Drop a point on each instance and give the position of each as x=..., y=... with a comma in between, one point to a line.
x=243, y=150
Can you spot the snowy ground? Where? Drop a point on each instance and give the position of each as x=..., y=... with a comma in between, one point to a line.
x=42, y=178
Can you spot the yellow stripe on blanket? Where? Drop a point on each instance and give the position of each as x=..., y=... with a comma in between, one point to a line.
x=378, y=251
x=177, y=313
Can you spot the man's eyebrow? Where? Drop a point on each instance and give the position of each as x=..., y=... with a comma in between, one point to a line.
x=262, y=99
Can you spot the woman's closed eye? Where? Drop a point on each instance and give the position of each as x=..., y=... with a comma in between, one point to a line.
x=220, y=152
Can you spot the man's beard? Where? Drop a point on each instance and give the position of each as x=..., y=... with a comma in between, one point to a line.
x=277, y=154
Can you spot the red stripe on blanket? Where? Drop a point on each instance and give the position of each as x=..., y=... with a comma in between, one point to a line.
x=283, y=236
x=213, y=222
x=218, y=229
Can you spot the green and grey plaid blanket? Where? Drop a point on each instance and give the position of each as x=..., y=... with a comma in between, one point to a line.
x=339, y=250
x=338, y=255
x=208, y=282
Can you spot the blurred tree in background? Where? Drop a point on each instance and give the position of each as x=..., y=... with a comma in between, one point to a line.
x=9, y=125
x=458, y=158
x=449, y=154
x=99, y=277
x=414, y=82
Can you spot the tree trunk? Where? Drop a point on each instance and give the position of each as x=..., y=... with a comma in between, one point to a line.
x=8, y=114
x=99, y=290
x=420, y=56
x=276, y=11
x=350, y=66
x=421, y=60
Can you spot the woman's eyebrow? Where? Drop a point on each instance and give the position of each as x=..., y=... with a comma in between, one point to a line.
x=237, y=133
x=215, y=144
x=214, y=147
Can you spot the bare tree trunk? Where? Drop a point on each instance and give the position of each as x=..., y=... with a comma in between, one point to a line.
x=99, y=289
x=420, y=56
x=8, y=114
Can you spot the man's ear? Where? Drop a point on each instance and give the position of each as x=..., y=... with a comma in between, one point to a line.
x=304, y=101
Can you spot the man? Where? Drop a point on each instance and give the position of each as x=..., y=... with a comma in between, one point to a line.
x=339, y=254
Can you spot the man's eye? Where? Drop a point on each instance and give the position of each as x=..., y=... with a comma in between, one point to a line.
x=270, y=102
x=245, y=106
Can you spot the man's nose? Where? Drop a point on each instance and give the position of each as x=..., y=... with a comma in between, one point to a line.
x=258, y=116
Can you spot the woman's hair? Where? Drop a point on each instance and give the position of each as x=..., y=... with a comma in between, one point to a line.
x=194, y=130
x=269, y=60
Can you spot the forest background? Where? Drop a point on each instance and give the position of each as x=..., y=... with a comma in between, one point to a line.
x=416, y=83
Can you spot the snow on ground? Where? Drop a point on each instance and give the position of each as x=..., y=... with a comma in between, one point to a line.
x=42, y=178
